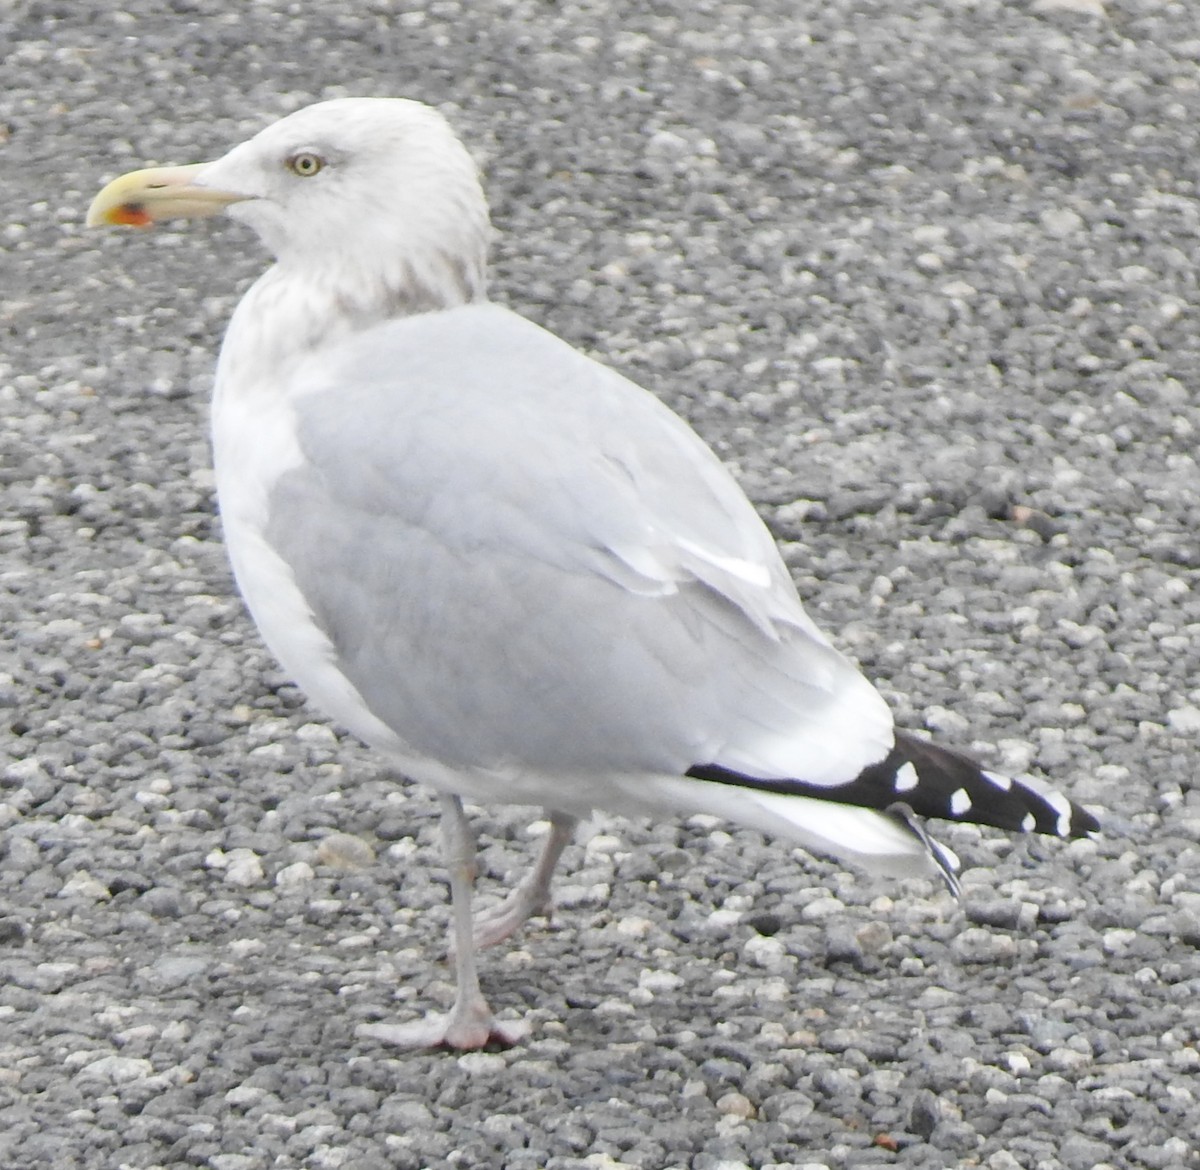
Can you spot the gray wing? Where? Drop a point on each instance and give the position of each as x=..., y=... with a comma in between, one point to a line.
x=523, y=559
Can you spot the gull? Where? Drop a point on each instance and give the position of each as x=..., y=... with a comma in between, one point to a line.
x=513, y=572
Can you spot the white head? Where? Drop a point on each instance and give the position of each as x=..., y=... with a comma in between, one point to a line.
x=368, y=192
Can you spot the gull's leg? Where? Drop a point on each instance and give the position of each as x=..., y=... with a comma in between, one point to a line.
x=531, y=896
x=469, y=1023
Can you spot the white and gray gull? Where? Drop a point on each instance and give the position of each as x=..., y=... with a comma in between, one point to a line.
x=512, y=571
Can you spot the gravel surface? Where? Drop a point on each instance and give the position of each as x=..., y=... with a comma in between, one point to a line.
x=924, y=273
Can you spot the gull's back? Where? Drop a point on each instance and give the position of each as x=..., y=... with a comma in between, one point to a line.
x=474, y=490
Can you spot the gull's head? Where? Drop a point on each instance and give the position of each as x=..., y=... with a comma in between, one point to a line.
x=364, y=184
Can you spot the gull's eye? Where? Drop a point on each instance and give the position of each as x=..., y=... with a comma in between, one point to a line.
x=305, y=164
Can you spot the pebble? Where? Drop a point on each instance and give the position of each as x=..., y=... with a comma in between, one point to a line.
x=244, y=1096
x=482, y=1063
x=345, y=851
x=658, y=981
x=873, y=937
x=83, y=885
x=1075, y=7
x=1061, y=222
x=118, y=1069
x=821, y=908
x=976, y=945
x=171, y=971
x=768, y=953
x=1184, y=720
x=296, y=874
x=243, y=868
x=736, y=1105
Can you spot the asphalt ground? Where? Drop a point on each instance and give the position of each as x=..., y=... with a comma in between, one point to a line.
x=924, y=273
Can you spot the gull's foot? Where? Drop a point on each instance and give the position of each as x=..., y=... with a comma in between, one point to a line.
x=462, y=1031
x=505, y=920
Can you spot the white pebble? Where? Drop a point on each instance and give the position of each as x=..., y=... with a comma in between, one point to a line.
x=118, y=1069
x=295, y=875
x=1184, y=720
x=482, y=1063
x=243, y=867
x=633, y=927
x=602, y=843
x=657, y=981
x=764, y=952
x=81, y=884
x=821, y=908
x=244, y=1095
x=1061, y=221
x=1017, y=1063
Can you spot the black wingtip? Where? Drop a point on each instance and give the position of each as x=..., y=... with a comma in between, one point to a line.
x=936, y=782
x=952, y=786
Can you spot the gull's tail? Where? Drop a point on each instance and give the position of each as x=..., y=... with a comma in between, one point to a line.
x=916, y=779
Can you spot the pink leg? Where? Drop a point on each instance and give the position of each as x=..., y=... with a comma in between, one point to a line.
x=531, y=896
x=469, y=1023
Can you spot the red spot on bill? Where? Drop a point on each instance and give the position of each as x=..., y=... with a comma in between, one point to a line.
x=130, y=214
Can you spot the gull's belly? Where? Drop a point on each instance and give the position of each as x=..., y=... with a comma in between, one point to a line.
x=254, y=443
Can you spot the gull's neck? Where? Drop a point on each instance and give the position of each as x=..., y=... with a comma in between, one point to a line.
x=291, y=312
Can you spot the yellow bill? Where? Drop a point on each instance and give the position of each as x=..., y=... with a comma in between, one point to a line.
x=142, y=198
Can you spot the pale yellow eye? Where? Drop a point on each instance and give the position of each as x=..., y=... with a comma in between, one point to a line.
x=305, y=164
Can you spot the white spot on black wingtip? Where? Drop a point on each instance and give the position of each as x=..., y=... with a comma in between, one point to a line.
x=1004, y=783
x=906, y=778
x=960, y=802
x=1028, y=823
x=1062, y=806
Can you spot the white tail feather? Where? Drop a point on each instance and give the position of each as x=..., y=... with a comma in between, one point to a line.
x=880, y=843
